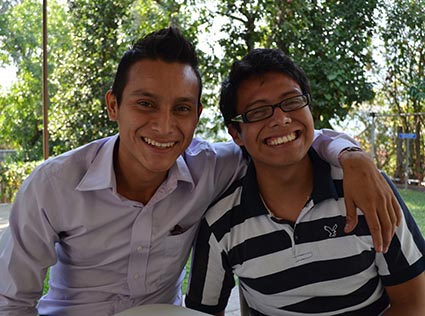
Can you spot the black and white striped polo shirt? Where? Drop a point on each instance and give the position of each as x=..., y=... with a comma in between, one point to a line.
x=310, y=267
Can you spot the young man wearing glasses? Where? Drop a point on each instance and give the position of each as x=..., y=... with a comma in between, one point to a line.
x=280, y=228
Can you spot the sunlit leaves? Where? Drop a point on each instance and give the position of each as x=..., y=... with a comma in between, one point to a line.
x=331, y=40
x=403, y=35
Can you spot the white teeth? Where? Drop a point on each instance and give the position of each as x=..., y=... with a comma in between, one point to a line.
x=282, y=140
x=156, y=144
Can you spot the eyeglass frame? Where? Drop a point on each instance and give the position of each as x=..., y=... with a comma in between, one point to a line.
x=242, y=118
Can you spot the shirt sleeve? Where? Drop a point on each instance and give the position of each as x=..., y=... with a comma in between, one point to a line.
x=211, y=278
x=27, y=250
x=230, y=166
x=329, y=143
x=405, y=258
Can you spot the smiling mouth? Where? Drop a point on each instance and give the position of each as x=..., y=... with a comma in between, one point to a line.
x=281, y=140
x=157, y=144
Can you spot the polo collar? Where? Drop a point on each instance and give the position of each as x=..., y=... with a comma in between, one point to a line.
x=323, y=186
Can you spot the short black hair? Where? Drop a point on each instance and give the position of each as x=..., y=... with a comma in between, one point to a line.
x=256, y=63
x=168, y=45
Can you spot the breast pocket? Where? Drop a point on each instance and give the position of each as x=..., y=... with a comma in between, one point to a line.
x=177, y=248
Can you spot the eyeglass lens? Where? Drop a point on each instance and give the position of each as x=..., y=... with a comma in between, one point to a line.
x=287, y=105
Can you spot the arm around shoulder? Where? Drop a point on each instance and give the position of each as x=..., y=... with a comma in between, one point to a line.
x=367, y=189
x=364, y=187
x=329, y=144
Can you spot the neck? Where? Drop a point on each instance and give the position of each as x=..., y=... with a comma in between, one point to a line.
x=135, y=182
x=134, y=188
x=286, y=190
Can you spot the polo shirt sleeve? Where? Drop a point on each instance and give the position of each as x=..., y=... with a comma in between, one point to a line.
x=405, y=258
x=211, y=278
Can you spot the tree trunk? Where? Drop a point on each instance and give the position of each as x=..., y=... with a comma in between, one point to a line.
x=399, y=162
x=418, y=169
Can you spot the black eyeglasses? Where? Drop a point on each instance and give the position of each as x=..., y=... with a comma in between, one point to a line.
x=265, y=111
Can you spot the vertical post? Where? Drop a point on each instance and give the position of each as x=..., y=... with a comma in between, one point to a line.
x=406, y=176
x=372, y=136
x=45, y=85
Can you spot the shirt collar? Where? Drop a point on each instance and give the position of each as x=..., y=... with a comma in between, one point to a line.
x=101, y=175
x=323, y=186
x=181, y=172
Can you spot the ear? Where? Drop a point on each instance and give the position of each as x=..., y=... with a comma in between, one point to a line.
x=111, y=105
x=231, y=129
x=200, y=108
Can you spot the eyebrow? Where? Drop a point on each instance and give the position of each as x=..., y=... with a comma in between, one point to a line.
x=281, y=98
x=137, y=93
x=143, y=93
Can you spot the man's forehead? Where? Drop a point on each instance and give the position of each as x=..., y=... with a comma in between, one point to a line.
x=158, y=79
x=158, y=70
x=267, y=87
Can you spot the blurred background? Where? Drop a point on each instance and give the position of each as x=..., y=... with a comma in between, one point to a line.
x=365, y=61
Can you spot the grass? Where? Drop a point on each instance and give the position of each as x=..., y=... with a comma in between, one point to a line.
x=415, y=201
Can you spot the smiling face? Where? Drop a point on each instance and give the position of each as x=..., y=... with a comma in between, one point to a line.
x=282, y=139
x=157, y=116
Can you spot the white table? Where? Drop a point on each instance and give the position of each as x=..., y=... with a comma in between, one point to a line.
x=160, y=310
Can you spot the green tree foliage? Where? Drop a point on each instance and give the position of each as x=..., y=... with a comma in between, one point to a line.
x=77, y=112
x=329, y=39
x=20, y=45
x=11, y=176
x=404, y=37
x=101, y=31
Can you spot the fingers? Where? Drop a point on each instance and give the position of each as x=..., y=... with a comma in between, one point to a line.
x=393, y=208
x=374, y=224
x=388, y=212
x=390, y=216
x=387, y=228
x=397, y=211
x=351, y=215
x=381, y=224
x=393, y=214
x=365, y=188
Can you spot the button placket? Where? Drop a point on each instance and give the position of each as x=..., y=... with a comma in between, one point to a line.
x=140, y=241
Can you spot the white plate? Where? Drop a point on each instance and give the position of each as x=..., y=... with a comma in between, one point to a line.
x=160, y=310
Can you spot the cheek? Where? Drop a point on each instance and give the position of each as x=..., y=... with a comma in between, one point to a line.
x=188, y=127
x=249, y=136
x=309, y=129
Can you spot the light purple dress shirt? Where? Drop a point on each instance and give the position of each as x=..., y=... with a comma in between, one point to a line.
x=108, y=253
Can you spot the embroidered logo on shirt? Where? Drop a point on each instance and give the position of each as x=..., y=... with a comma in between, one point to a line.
x=331, y=230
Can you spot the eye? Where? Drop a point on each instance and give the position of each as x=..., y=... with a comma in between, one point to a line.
x=259, y=112
x=295, y=102
x=144, y=103
x=182, y=108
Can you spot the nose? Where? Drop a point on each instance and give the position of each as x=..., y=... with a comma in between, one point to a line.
x=163, y=122
x=279, y=117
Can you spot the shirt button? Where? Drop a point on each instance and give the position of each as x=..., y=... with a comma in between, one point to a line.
x=140, y=249
x=136, y=276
